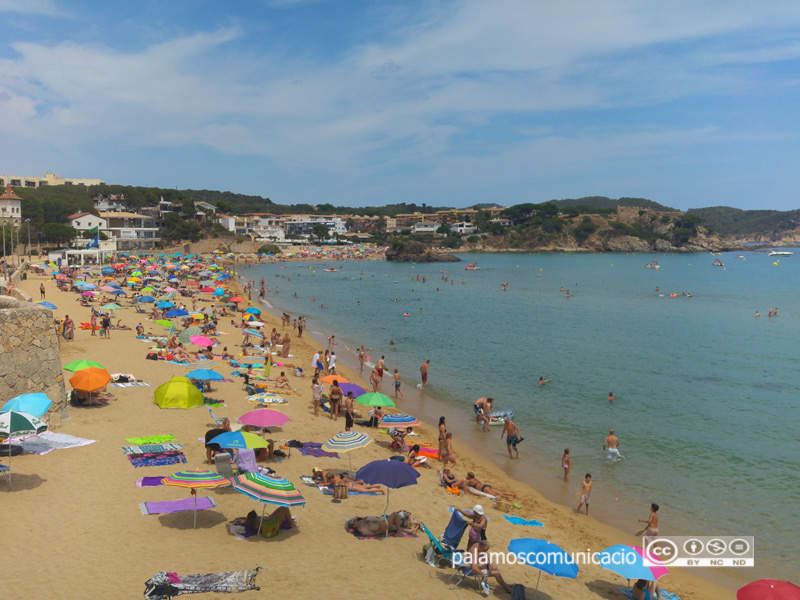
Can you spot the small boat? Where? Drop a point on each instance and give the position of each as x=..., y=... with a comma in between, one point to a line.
x=780, y=253
x=331, y=270
x=718, y=263
x=652, y=265
x=473, y=266
x=740, y=257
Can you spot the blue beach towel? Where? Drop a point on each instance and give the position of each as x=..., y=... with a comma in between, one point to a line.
x=520, y=521
x=664, y=595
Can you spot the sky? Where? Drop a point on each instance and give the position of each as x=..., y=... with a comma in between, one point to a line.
x=687, y=103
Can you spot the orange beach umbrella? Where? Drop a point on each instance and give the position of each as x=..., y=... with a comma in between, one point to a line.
x=90, y=380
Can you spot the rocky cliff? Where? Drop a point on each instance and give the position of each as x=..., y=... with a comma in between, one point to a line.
x=412, y=251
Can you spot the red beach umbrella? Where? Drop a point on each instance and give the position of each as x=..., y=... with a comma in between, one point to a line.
x=768, y=589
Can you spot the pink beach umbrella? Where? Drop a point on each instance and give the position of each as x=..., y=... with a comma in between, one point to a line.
x=201, y=340
x=264, y=417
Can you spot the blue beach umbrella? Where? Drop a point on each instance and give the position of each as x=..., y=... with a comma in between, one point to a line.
x=205, y=375
x=628, y=562
x=239, y=440
x=118, y=292
x=165, y=305
x=33, y=404
x=145, y=300
x=49, y=305
x=219, y=292
x=391, y=473
x=542, y=555
x=253, y=332
x=174, y=313
x=253, y=310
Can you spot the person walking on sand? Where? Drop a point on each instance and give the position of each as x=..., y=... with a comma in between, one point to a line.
x=316, y=394
x=566, y=464
x=423, y=372
x=651, y=531
x=397, y=389
x=613, y=443
x=93, y=322
x=348, y=411
x=41, y=291
x=586, y=490
x=511, y=431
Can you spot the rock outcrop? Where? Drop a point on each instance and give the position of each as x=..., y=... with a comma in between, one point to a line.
x=412, y=251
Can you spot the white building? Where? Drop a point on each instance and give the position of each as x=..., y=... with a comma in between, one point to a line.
x=111, y=202
x=272, y=234
x=304, y=224
x=426, y=227
x=83, y=221
x=131, y=230
x=11, y=207
x=463, y=228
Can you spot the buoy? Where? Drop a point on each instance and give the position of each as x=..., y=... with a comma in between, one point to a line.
x=406, y=315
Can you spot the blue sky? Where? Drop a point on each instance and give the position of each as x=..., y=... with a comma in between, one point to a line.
x=448, y=103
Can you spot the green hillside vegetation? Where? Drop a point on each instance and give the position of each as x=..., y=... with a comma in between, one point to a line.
x=734, y=221
x=600, y=204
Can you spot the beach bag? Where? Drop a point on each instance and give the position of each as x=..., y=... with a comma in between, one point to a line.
x=152, y=356
x=502, y=505
x=340, y=492
x=517, y=592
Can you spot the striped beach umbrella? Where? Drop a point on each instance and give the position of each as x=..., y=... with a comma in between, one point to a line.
x=240, y=440
x=347, y=441
x=268, y=489
x=399, y=421
x=196, y=479
x=19, y=424
x=185, y=336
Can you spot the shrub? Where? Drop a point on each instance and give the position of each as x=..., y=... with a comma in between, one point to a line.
x=473, y=239
x=269, y=249
x=583, y=231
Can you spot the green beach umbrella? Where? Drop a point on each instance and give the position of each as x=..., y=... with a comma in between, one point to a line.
x=19, y=424
x=163, y=323
x=79, y=365
x=375, y=399
x=111, y=306
x=178, y=392
x=186, y=335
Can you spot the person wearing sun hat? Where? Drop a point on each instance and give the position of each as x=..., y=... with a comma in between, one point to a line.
x=478, y=523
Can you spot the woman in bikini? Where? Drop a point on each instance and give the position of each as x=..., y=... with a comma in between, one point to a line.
x=361, y=356
x=473, y=482
x=442, y=434
x=566, y=463
x=334, y=396
x=446, y=456
x=412, y=457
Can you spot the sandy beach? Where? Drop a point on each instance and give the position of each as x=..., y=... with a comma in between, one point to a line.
x=75, y=512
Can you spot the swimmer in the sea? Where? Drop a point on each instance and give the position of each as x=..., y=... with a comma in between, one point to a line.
x=542, y=380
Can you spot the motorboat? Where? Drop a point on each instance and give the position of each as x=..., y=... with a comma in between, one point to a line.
x=473, y=266
x=652, y=265
x=780, y=253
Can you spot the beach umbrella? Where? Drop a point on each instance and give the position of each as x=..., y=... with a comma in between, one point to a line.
x=240, y=440
x=148, y=290
x=219, y=292
x=88, y=293
x=347, y=441
x=254, y=333
x=542, y=555
x=628, y=562
x=118, y=292
x=165, y=304
x=185, y=336
x=768, y=589
x=196, y=479
x=268, y=489
x=145, y=299
x=201, y=340
x=352, y=387
x=19, y=424
x=77, y=365
x=264, y=417
x=393, y=474
x=375, y=399
x=331, y=378
x=178, y=392
x=31, y=404
x=177, y=312
x=49, y=305
x=164, y=323
x=205, y=375
x=90, y=379
x=253, y=310
x=267, y=399
x=237, y=299
x=111, y=306
x=399, y=421
x=108, y=288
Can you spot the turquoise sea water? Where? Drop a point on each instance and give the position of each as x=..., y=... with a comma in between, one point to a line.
x=707, y=394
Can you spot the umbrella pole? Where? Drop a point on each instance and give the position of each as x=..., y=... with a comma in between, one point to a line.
x=537, y=581
x=195, y=511
x=385, y=510
x=351, y=461
x=261, y=522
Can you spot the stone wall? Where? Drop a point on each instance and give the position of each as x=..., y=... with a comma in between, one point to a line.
x=29, y=357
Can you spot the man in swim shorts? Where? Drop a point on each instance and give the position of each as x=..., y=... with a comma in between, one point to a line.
x=511, y=431
x=483, y=411
x=586, y=490
x=613, y=443
x=423, y=371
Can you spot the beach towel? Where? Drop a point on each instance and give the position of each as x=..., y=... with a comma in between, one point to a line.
x=394, y=534
x=520, y=521
x=315, y=449
x=328, y=491
x=151, y=448
x=131, y=384
x=150, y=439
x=150, y=481
x=165, y=585
x=49, y=441
x=238, y=529
x=157, y=459
x=175, y=506
x=628, y=592
x=477, y=491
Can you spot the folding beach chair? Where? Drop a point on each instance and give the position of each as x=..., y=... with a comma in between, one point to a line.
x=464, y=571
x=443, y=549
x=6, y=471
x=223, y=463
x=213, y=416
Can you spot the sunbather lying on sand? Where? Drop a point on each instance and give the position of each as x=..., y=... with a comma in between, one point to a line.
x=397, y=522
x=353, y=485
x=472, y=482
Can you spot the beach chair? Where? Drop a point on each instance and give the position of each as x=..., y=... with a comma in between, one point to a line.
x=213, y=416
x=465, y=572
x=435, y=552
x=6, y=471
x=223, y=463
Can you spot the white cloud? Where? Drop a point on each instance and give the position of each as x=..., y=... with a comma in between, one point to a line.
x=31, y=7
